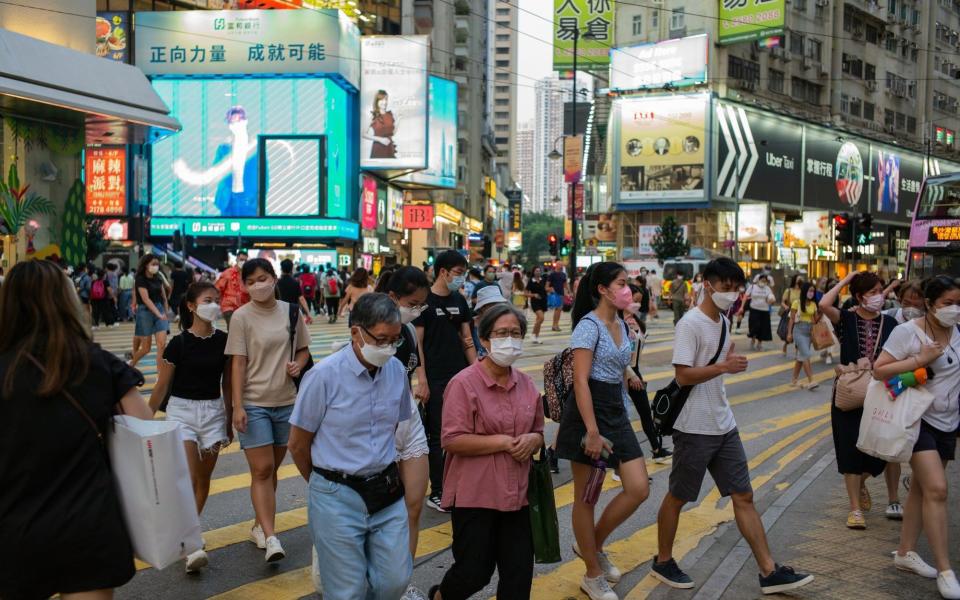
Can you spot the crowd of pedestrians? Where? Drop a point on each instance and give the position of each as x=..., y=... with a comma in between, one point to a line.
x=422, y=406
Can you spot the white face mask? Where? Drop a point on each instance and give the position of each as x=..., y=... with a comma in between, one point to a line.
x=154, y=269
x=376, y=355
x=261, y=291
x=504, y=351
x=948, y=316
x=873, y=303
x=723, y=300
x=408, y=314
x=910, y=313
x=208, y=312
x=240, y=262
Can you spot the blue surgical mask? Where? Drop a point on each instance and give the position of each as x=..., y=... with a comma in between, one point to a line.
x=457, y=283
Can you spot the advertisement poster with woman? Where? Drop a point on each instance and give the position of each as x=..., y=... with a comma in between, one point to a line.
x=888, y=182
x=393, y=102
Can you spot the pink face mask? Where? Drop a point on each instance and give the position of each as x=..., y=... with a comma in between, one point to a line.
x=622, y=298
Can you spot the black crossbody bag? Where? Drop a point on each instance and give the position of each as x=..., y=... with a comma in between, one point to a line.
x=294, y=318
x=378, y=491
x=669, y=401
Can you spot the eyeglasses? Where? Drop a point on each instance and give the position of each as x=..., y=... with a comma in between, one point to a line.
x=418, y=307
x=381, y=342
x=505, y=333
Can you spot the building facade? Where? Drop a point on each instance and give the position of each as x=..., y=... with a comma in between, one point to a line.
x=505, y=90
x=881, y=75
x=548, y=131
x=523, y=172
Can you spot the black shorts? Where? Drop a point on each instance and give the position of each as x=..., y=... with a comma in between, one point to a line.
x=931, y=438
x=694, y=454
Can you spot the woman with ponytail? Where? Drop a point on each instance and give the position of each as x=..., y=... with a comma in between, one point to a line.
x=194, y=375
x=595, y=426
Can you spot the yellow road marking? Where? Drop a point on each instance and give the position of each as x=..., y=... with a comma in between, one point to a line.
x=648, y=583
x=297, y=583
x=637, y=548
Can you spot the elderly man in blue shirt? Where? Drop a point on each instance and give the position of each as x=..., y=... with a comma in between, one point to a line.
x=342, y=441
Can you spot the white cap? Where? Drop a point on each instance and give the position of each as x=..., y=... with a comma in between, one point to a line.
x=489, y=295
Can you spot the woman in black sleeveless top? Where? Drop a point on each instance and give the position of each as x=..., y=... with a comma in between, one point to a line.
x=862, y=331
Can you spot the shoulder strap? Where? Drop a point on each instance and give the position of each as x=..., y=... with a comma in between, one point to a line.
x=66, y=394
x=294, y=315
x=723, y=340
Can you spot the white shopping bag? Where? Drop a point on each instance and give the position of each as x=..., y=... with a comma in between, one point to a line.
x=889, y=426
x=153, y=483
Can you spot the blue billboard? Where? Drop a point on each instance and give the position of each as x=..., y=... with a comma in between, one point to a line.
x=255, y=148
x=441, y=171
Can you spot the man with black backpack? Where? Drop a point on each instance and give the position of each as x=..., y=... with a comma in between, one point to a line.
x=705, y=435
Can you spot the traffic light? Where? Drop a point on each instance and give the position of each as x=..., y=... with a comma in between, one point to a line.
x=552, y=240
x=864, y=230
x=565, y=248
x=842, y=225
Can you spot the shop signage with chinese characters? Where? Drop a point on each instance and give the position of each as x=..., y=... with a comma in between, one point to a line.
x=106, y=181
x=368, y=203
x=257, y=228
x=748, y=20
x=945, y=233
x=235, y=42
x=516, y=212
x=448, y=213
x=572, y=158
x=418, y=216
x=473, y=225
x=590, y=23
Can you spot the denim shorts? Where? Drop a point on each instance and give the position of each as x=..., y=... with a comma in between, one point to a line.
x=266, y=426
x=148, y=323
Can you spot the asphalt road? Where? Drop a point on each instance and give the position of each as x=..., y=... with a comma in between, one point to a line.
x=785, y=431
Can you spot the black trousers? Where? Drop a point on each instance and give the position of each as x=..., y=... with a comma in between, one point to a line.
x=103, y=310
x=484, y=539
x=641, y=401
x=434, y=423
x=333, y=306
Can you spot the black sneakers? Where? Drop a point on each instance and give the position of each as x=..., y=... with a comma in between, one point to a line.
x=434, y=502
x=669, y=573
x=553, y=460
x=662, y=455
x=782, y=579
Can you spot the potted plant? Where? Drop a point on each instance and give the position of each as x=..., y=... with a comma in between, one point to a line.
x=17, y=206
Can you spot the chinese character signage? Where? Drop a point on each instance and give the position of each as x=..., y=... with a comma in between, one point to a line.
x=748, y=20
x=393, y=102
x=944, y=233
x=516, y=213
x=590, y=22
x=418, y=216
x=368, y=203
x=441, y=171
x=239, y=42
x=680, y=62
x=111, y=28
x=661, y=148
x=105, y=177
x=572, y=158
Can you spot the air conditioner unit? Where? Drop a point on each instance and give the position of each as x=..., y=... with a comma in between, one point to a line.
x=891, y=17
x=747, y=84
x=889, y=129
x=824, y=73
x=874, y=126
x=871, y=85
x=805, y=62
x=858, y=33
x=787, y=56
x=823, y=3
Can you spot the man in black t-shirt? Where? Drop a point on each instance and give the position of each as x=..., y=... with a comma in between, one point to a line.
x=446, y=348
x=289, y=289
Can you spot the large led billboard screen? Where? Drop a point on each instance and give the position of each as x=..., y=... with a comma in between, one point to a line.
x=441, y=170
x=393, y=102
x=253, y=148
x=660, y=152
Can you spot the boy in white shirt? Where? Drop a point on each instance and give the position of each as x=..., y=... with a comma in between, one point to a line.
x=705, y=434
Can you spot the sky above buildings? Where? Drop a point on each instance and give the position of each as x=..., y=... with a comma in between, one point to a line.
x=534, y=54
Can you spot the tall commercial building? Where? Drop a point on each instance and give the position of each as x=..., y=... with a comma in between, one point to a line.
x=505, y=88
x=870, y=87
x=548, y=173
x=523, y=172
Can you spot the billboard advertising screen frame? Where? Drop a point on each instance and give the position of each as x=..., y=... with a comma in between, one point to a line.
x=333, y=118
x=264, y=191
x=112, y=202
x=656, y=139
x=389, y=63
x=687, y=57
x=438, y=105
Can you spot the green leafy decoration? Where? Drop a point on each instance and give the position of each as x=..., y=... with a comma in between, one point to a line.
x=73, y=234
x=669, y=241
x=18, y=205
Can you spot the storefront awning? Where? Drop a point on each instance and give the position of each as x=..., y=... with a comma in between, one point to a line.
x=114, y=102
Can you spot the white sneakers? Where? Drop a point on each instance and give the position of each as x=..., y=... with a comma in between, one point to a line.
x=912, y=562
x=274, y=549
x=948, y=585
x=610, y=572
x=256, y=536
x=597, y=588
x=197, y=560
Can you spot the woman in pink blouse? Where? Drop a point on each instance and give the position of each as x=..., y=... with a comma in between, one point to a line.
x=492, y=425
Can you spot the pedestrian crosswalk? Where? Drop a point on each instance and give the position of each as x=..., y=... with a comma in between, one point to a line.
x=780, y=427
